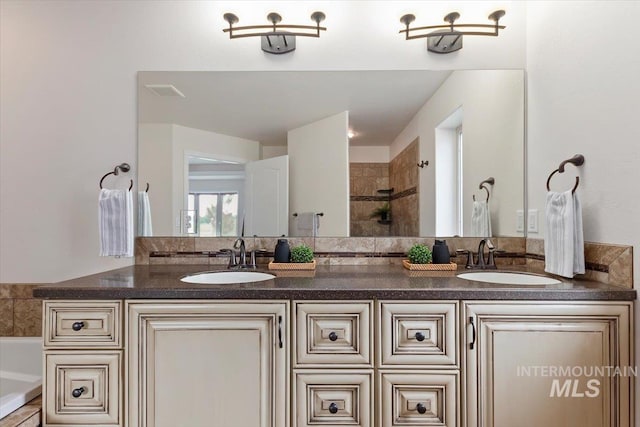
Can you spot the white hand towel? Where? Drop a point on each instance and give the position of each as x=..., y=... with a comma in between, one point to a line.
x=115, y=218
x=144, y=215
x=306, y=224
x=480, y=219
x=563, y=236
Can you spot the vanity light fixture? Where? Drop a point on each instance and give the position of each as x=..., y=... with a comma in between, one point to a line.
x=447, y=38
x=275, y=41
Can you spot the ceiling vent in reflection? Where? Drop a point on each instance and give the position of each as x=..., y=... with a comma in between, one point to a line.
x=448, y=38
x=165, y=90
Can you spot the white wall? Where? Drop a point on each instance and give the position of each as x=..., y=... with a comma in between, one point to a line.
x=68, y=77
x=167, y=173
x=155, y=140
x=269, y=151
x=319, y=172
x=369, y=154
x=493, y=103
x=584, y=97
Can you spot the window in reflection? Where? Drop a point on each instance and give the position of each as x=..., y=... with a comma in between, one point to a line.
x=217, y=213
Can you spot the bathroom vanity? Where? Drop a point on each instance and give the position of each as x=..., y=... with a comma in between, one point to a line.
x=348, y=345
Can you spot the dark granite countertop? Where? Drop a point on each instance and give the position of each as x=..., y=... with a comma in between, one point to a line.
x=326, y=283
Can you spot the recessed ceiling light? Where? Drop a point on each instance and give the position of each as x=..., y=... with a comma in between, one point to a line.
x=165, y=90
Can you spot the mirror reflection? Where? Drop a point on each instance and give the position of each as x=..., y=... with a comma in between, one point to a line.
x=376, y=153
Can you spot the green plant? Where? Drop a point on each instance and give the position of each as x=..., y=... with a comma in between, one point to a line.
x=302, y=253
x=381, y=211
x=420, y=254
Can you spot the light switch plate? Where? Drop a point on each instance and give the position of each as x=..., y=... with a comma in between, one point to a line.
x=520, y=220
x=532, y=221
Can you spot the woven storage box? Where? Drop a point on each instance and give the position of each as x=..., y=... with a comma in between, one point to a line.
x=429, y=267
x=292, y=265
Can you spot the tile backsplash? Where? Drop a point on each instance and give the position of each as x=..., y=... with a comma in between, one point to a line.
x=608, y=263
x=21, y=314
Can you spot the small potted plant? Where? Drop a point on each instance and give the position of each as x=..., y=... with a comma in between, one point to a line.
x=301, y=258
x=302, y=254
x=383, y=212
x=420, y=254
x=421, y=258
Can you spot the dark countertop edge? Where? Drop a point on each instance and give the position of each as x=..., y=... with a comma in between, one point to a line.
x=339, y=294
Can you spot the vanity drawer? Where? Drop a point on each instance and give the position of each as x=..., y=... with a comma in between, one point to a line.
x=419, y=398
x=333, y=333
x=82, y=388
x=82, y=324
x=330, y=398
x=417, y=334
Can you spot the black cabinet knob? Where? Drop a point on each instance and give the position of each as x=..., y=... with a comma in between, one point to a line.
x=333, y=408
x=77, y=392
x=333, y=336
x=421, y=408
x=420, y=336
x=77, y=326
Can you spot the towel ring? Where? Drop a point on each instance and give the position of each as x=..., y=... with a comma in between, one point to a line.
x=577, y=160
x=575, y=187
x=124, y=167
x=485, y=189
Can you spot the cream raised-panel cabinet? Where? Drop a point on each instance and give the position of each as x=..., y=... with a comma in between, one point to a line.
x=551, y=364
x=207, y=363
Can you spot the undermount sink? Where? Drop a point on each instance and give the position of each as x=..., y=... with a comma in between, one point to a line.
x=509, y=278
x=227, y=277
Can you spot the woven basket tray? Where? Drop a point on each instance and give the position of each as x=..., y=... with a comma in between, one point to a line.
x=429, y=267
x=292, y=265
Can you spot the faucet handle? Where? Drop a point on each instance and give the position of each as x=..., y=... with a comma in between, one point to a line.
x=232, y=257
x=469, y=263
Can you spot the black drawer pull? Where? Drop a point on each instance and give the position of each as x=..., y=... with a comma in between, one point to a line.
x=333, y=336
x=77, y=392
x=77, y=326
x=420, y=336
x=421, y=408
x=333, y=408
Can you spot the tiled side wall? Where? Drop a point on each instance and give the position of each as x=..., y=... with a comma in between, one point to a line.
x=403, y=178
x=20, y=313
x=604, y=262
x=365, y=179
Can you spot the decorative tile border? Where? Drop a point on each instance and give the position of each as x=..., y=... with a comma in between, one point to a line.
x=607, y=263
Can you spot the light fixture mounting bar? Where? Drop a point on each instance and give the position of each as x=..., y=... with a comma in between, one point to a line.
x=274, y=28
x=447, y=38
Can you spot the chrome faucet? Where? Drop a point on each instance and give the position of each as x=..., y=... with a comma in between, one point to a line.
x=239, y=244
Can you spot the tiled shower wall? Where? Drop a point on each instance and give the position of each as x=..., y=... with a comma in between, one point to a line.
x=365, y=179
x=403, y=178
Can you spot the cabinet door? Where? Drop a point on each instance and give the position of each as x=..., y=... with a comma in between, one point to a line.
x=547, y=364
x=208, y=364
